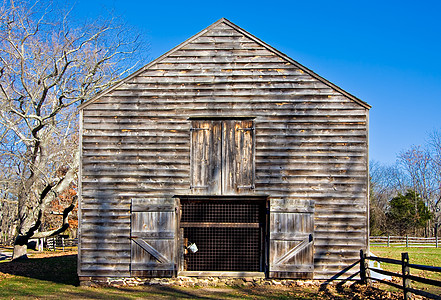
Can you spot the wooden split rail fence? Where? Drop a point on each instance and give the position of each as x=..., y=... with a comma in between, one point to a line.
x=404, y=241
x=60, y=242
x=405, y=274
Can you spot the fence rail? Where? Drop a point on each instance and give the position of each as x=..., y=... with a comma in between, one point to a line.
x=404, y=241
x=404, y=275
x=60, y=242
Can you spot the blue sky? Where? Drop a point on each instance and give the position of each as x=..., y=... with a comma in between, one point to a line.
x=387, y=53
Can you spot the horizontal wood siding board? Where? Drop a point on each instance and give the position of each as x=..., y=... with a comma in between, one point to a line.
x=104, y=273
x=298, y=275
x=153, y=273
x=293, y=268
x=105, y=260
x=153, y=235
x=300, y=101
x=278, y=108
x=139, y=207
x=87, y=258
x=89, y=253
x=310, y=145
x=151, y=266
x=226, y=84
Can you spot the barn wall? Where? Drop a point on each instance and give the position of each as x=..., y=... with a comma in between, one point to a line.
x=311, y=144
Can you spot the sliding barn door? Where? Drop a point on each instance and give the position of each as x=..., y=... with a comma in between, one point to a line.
x=153, y=240
x=292, y=241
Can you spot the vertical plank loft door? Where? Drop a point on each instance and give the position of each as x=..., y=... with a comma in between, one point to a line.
x=206, y=158
x=238, y=157
x=222, y=157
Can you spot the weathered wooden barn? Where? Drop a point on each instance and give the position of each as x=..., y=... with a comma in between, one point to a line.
x=229, y=146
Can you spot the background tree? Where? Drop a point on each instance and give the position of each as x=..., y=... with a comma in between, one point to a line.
x=418, y=164
x=418, y=169
x=385, y=183
x=435, y=204
x=402, y=216
x=49, y=65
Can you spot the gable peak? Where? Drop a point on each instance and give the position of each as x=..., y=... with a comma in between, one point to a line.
x=245, y=34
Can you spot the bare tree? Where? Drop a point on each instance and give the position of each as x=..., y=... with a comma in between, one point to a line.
x=419, y=165
x=386, y=181
x=47, y=67
x=417, y=169
x=416, y=161
x=435, y=146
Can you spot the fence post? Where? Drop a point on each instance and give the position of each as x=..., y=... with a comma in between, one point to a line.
x=407, y=241
x=406, y=272
x=436, y=235
x=388, y=241
x=362, y=267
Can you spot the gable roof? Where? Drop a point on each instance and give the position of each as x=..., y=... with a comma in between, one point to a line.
x=246, y=34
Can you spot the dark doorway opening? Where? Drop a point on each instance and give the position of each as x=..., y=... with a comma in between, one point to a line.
x=230, y=234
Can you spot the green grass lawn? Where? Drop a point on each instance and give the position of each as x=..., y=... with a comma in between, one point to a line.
x=21, y=287
x=421, y=256
x=48, y=276
x=24, y=288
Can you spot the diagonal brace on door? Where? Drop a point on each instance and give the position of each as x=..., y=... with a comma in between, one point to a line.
x=299, y=247
x=152, y=251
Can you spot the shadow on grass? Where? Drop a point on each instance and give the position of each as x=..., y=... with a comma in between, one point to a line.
x=226, y=292
x=59, y=269
x=63, y=271
x=342, y=286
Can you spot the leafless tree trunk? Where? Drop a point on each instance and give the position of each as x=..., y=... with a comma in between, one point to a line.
x=435, y=146
x=47, y=67
x=422, y=165
x=385, y=183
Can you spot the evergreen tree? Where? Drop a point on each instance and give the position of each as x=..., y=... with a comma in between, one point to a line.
x=407, y=213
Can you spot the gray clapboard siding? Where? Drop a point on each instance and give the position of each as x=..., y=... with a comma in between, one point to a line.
x=310, y=144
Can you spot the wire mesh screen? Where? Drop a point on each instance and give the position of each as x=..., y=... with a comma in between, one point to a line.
x=224, y=249
x=228, y=235
x=221, y=212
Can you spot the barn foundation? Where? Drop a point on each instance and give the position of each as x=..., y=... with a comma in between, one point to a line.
x=194, y=281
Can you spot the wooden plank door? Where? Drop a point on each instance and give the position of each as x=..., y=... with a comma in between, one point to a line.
x=206, y=153
x=222, y=157
x=153, y=241
x=237, y=156
x=291, y=241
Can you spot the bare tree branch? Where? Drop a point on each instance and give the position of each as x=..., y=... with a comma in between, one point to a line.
x=47, y=68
